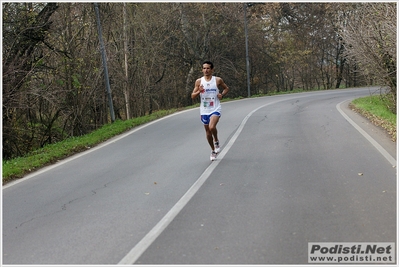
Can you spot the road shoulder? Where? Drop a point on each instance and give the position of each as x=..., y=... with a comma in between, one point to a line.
x=379, y=134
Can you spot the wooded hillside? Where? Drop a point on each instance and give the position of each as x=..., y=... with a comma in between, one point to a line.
x=53, y=76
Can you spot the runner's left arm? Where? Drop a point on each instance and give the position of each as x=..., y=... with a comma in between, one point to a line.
x=223, y=86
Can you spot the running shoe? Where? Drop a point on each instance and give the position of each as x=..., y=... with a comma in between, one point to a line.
x=213, y=155
x=217, y=147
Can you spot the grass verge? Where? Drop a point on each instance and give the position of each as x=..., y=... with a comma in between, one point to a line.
x=376, y=110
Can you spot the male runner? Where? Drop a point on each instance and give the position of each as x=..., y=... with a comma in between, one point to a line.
x=208, y=89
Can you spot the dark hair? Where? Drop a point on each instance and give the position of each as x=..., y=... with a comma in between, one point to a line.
x=209, y=63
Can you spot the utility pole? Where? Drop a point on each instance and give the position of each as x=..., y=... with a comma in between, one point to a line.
x=104, y=58
x=126, y=89
x=246, y=48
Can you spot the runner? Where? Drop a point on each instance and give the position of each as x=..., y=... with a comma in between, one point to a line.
x=210, y=110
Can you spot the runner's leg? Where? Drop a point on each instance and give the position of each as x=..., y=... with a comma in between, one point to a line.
x=209, y=137
x=212, y=128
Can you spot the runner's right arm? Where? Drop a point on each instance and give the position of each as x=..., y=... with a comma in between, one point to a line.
x=197, y=89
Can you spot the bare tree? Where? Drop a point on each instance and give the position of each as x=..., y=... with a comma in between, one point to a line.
x=25, y=31
x=368, y=31
x=53, y=80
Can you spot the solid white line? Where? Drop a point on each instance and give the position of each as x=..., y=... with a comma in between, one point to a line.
x=152, y=235
x=390, y=159
x=142, y=246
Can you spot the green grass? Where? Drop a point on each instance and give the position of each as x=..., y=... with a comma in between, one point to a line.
x=373, y=107
x=376, y=105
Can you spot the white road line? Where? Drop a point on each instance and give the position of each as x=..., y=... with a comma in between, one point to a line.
x=390, y=159
x=152, y=235
x=142, y=246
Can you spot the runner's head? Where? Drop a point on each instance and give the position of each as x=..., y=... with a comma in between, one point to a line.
x=207, y=68
x=208, y=63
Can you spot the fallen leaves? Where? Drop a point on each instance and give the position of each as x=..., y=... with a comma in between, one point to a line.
x=147, y=193
x=389, y=127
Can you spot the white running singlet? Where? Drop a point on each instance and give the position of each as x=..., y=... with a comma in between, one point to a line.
x=210, y=102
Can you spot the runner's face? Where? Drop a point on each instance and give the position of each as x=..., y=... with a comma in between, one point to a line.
x=206, y=70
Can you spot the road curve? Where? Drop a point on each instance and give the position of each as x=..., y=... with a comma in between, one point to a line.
x=294, y=169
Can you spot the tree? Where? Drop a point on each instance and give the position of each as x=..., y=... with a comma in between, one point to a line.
x=52, y=69
x=368, y=31
x=25, y=32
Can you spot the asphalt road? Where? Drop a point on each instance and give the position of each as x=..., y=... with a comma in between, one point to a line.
x=293, y=169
